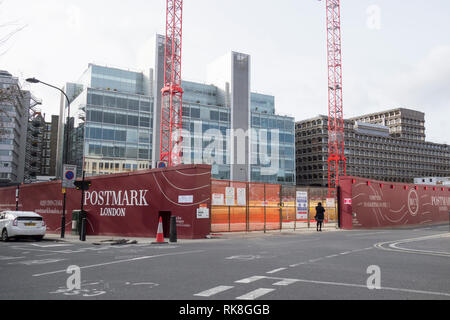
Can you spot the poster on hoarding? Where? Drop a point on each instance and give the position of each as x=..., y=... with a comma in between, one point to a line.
x=185, y=199
x=218, y=199
x=241, y=197
x=302, y=205
x=202, y=213
x=230, y=196
x=331, y=203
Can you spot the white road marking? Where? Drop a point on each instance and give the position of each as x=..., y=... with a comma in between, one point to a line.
x=445, y=294
x=255, y=294
x=213, y=291
x=297, y=264
x=285, y=282
x=37, y=262
x=393, y=246
x=2, y=258
x=245, y=258
x=276, y=270
x=121, y=261
x=51, y=245
x=251, y=279
x=330, y=256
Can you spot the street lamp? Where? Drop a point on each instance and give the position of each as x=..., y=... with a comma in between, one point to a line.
x=66, y=144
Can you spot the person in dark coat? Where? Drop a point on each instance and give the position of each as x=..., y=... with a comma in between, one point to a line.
x=320, y=216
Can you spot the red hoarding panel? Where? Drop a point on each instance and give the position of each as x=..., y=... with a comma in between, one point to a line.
x=126, y=205
x=384, y=204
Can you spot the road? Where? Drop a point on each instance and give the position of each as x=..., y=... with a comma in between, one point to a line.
x=413, y=264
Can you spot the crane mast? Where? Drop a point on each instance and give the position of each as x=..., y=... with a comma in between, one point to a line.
x=336, y=160
x=172, y=93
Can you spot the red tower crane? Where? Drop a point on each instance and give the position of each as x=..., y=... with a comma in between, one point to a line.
x=336, y=161
x=172, y=93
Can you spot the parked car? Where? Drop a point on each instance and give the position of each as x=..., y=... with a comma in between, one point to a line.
x=21, y=224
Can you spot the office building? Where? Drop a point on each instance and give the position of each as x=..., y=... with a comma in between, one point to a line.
x=110, y=122
x=117, y=119
x=387, y=146
x=14, y=107
x=251, y=142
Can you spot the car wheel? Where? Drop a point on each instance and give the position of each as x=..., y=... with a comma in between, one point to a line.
x=5, y=235
x=39, y=238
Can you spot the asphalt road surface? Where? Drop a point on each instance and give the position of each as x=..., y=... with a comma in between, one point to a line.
x=409, y=264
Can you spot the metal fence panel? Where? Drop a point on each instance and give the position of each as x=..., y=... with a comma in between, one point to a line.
x=244, y=206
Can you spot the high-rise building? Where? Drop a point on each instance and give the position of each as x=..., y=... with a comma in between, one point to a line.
x=111, y=121
x=14, y=106
x=117, y=122
x=387, y=146
x=230, y=127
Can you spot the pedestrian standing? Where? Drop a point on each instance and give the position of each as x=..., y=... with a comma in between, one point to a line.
x=320, y=216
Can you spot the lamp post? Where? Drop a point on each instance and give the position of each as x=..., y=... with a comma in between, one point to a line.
x=66, y=151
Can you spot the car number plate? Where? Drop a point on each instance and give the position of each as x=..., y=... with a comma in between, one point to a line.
x=30, y=224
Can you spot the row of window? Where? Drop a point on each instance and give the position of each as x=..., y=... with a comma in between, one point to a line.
x=272, y=123
x=118, y=152
x=123, y=103
x=205, y=114
x=130, y=136
x=118, y=119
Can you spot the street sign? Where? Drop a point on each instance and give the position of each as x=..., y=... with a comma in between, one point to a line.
x=69, y=176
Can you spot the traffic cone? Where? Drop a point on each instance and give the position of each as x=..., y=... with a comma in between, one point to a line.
x=160, y=233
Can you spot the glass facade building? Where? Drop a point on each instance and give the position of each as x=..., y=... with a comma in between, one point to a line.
x=112, y=123
x=116, y=125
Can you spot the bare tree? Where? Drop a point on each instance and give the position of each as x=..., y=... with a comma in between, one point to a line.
x=9, y=93
x=8, y=97
x=7, y=31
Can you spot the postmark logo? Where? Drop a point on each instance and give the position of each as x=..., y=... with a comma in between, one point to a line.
x=413, y=202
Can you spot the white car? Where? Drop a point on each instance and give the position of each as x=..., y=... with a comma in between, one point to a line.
x=21, y=224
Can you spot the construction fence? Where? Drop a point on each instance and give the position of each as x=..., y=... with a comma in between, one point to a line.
x=245, y=206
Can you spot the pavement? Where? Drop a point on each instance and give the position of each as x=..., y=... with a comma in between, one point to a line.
x=118, y=240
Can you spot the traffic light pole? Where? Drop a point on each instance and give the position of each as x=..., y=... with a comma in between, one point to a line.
x=83, y=214
x=63, y=218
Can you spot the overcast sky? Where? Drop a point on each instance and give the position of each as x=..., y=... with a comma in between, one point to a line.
x=396, y=53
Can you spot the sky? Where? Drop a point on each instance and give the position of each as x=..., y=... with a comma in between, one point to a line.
x=396, y=53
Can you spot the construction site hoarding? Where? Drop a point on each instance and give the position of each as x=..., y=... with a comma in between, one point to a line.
x=247, y=206
x=369, y=204
x=127, y=205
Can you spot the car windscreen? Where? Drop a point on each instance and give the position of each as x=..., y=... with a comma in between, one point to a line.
x=29, y=218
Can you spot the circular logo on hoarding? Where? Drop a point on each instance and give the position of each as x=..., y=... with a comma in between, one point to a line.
x=413, y=202
x=70, y=175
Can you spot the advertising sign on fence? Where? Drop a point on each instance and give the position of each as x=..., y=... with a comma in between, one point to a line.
x=230, y=196
x=218, y=199
x=302, y=205
x=241, y=197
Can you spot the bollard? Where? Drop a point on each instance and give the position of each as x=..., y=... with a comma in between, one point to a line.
x=173, y=229
x=83, y=217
